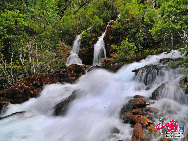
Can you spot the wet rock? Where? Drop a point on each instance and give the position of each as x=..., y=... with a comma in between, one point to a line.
x=149, y=73
x=186, y=137
x=170, y=90
x=173, y=63
x=3, y=106
x=152, y=129
x=108, y=63
x=116, y=66
x=168, y=60
x=136, y=70
x=147, y=135
x=115, y=131
x=139, y=96
x=149, y=132
x=184, y=85
x=137, y=111
x=165, y=139
x=72, y=79
x=133, y=119
x=127, y=118
x=138, y=115
x=142, y=120
x=133, y=103
x=127, y=107
x=158, y=90
x=140, y=103
x=61, y=108
x=138, y=132
x=150, y=116
x=152, y=110
x=92, y=68
x=17, y=113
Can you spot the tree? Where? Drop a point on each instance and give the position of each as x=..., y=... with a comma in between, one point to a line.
x=132, y=29
x=172, y=24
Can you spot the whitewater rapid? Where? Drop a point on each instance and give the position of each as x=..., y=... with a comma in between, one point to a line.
x=94, y=113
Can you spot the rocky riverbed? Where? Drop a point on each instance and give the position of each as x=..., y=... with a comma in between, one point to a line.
x=139, y=110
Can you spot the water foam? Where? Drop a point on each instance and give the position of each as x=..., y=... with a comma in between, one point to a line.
x=94, y=113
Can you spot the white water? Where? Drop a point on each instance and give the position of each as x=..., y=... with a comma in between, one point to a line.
x=74, y=58
x=99, y=49
x=94, y=113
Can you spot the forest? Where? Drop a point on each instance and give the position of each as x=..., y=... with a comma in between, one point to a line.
x=136, y=89
x=37, y=35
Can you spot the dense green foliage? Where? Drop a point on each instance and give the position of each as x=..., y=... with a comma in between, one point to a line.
x=35, y=35
x=172, y=24
x=133, y=29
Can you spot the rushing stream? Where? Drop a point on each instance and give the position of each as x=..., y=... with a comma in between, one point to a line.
x=94, y=113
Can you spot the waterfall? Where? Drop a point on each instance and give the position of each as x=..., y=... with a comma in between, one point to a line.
x=74, y=58
x=99, y=49
x=94, y=112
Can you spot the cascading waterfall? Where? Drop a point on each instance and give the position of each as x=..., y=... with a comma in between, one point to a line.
x=94, y=113
x=74, y=58
x=99, y=49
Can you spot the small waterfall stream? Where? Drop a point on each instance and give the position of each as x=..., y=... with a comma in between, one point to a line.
x=99, y=49
x=94, y=113
x=74, y=58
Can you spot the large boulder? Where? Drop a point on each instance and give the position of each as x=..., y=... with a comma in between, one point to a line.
x=133, y=119
x=152, y=110
x=158, y=91
x=133, y=103
x=138, y=132
x=170, y=90
x=141, y=117
x=138, y=111
x=140, y=103
x=170, y=60
x=149, y=73
x=61, y=108
x=128, y=107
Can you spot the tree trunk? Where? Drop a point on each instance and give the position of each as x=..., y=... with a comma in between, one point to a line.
x=22, y=63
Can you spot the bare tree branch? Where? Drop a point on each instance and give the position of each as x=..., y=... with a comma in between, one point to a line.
x=22, y=63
